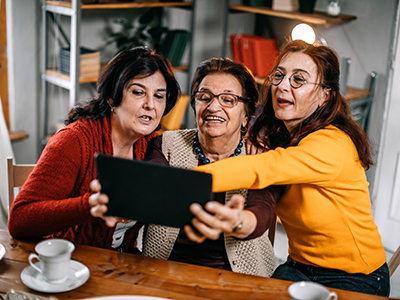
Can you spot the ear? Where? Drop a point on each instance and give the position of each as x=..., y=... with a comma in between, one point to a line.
x=324, y=96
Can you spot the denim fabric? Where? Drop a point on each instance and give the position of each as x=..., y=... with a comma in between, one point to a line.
x=376, y=283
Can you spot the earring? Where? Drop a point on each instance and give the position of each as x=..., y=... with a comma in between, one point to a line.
x=113, y=110
x=243, y=130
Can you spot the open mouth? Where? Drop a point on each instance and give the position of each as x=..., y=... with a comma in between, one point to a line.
x=284, y=102
x=214, y=118
x=146, y=118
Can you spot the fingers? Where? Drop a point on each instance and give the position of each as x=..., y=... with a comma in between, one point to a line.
x=95, y=186
x=236, y=202
x=193, y=235
x=215, y=219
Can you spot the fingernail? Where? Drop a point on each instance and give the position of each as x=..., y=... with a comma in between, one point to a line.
x=210, y=205
x=196, y=207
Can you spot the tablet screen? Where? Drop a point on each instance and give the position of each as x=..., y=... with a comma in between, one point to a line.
x=151, y=192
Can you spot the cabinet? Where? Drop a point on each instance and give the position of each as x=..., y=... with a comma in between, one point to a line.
x=359, y=100
x=72, y=9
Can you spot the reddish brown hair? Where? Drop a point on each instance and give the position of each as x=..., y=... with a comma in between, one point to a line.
x=272, y=132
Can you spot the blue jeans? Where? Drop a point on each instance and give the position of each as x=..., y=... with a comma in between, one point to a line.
x=375, y=283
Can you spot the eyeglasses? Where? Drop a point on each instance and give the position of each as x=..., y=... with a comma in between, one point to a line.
x=296, y=80
x=224, y=99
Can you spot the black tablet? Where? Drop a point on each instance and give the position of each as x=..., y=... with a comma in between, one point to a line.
x=151, y=192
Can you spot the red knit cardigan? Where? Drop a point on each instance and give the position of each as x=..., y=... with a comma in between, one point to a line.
x=54, y=200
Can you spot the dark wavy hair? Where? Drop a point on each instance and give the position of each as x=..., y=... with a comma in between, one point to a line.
x=228, y=66
x=127, y=64
x=272, y=132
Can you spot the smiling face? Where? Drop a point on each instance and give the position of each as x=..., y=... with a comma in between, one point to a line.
x=141, y=108
x=291, y=105
x=214, y=120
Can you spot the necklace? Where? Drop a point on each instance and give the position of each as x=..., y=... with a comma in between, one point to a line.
x=202, y=158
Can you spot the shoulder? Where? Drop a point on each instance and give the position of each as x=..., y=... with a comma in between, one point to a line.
x=328, y=136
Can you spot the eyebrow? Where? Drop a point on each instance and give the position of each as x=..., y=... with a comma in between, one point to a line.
x=208, y=90
x=144, y=87
x=294, y=71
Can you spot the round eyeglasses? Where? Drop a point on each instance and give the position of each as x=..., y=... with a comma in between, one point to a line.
x=296, y=80
x=224, y=99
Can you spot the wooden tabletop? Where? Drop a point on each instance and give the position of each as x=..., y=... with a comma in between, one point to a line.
x=115, y=273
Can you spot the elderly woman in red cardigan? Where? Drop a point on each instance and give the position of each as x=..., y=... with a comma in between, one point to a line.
x=135, y=89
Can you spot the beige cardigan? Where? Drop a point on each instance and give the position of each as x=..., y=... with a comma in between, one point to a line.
x=255, y=257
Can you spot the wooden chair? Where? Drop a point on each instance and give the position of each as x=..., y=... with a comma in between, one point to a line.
x=394, y=262
x=17, y=175
x=272, y=229
x=173, y=120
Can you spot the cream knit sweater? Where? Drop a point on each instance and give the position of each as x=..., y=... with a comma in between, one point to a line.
x=255, y=257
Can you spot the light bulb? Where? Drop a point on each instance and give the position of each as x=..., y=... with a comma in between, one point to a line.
x=303, y=32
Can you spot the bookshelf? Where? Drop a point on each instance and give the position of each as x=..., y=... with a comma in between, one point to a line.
x=318, y=18
x=71, y=81
x=355, y=97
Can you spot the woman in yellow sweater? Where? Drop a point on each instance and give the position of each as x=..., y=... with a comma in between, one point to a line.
x=321, y=153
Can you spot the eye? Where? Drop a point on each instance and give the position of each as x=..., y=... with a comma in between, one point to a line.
x=228, y=99
x=204, y=96
x=138, y=93
x=298, y=78
x=160, y=96
x=278, y=76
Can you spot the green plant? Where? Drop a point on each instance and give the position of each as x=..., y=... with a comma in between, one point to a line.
x=145, y=30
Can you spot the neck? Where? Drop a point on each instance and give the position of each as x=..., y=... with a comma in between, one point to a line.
x=215, y=149
x=122, y=145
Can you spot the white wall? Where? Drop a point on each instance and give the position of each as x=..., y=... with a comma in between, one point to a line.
x=23, y=62
x=367, y=41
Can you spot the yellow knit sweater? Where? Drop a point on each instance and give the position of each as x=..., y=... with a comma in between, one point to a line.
x=326, y=209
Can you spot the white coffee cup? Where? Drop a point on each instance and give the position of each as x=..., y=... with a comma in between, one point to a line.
x=54, y=256
x=307, y=290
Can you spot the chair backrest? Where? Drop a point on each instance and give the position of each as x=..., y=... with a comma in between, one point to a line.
x=394, y=262
x=17, y=175
x=272, y=229
x=173, y=120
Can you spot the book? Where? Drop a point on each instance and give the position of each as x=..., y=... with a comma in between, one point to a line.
x=265, y=52
x=174, y=45
x=256, y=52
x=89, y=62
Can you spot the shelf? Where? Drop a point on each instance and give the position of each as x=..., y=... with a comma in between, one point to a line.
x=58, y=74
x=121, y=5
x=320, y=18
x=352, y=93
x=18, y=135
x=66, y=77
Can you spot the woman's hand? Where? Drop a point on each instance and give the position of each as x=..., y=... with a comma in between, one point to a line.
x=230, y=219
x=98, y=203
x=252, y=149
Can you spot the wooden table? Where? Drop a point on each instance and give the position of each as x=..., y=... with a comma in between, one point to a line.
x=115, y=273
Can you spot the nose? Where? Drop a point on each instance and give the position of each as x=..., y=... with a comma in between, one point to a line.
x=285, y=83
x=148, y=102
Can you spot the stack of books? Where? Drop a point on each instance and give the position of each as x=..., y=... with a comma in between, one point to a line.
x=257, y=53
x=89, y=62
x=174, y=45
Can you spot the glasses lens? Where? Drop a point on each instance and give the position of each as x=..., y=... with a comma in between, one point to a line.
x=276, y=78
x=297, y=80
x=227, y=100
x=204, y=96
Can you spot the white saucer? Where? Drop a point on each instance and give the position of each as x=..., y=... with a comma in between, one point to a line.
x=77, y=275
x=126, y=298
x=2, y=251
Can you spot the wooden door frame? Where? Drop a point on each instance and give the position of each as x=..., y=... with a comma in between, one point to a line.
x=3, y=63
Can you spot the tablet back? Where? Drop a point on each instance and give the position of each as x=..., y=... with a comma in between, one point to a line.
x=150, y=192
